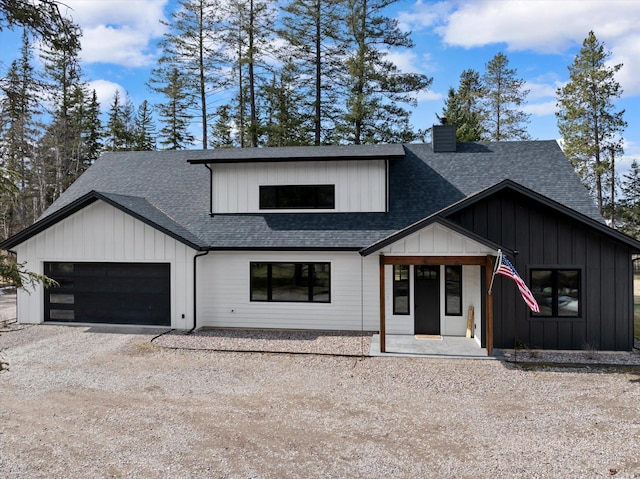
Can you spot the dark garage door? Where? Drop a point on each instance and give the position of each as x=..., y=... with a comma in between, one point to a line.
x=116, y=293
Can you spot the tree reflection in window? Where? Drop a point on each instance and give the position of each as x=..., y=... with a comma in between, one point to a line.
x=557, y=292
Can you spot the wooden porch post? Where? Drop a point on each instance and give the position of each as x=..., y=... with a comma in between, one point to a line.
x=383, y=334
x=488, y=273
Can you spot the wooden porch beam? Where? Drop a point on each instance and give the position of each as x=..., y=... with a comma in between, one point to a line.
x=436, y=260
x=488, y=273
x=383, y=334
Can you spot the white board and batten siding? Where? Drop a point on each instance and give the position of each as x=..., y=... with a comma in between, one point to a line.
x=102, y=233
x=224, y=293
x=360, y=185
x=438, y=240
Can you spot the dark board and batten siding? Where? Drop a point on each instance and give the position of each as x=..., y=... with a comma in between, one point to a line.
x=542, y=236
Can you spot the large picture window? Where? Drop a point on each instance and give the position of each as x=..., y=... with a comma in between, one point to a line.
x=400, y=289
x=557, y=292
x=298, y=197
x=453, y=293
x=291, y=282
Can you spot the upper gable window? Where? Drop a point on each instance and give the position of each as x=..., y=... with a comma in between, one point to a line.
x=298, y=197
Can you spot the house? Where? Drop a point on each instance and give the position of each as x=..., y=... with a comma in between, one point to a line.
x=400, y=239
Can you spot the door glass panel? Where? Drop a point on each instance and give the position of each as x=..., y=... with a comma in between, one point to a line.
x=453, y=300
x=62, y=314
x=56, y=298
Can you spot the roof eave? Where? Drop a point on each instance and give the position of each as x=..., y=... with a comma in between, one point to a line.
x=423, y=223
x=78, y=205
x=506, y=184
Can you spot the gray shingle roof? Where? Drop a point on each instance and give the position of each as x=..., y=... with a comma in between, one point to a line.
x=168, y=191
x=297, y=153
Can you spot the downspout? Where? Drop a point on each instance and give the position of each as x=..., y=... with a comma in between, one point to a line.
x=195, y=290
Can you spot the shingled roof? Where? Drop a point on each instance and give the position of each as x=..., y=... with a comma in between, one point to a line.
x=165, y=189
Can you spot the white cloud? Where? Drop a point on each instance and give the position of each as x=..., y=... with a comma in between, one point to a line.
x=429, y=95
x=406, y=61
x=545, y=26
x=540, y=109
x=117, y=31
x=549, y=26
x=423, y=15
x=105, y=90
x=541, y=90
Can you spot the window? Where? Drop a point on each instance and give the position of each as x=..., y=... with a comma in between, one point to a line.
x=291, y=282
x=557, y=292
x=298, y=197
x=453, y=293
x=400, y=289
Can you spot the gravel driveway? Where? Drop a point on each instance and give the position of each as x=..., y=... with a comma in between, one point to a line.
x=91, y=403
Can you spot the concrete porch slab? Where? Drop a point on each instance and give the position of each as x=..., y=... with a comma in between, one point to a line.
x=446, y=347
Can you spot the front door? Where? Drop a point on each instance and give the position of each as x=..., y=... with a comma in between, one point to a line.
x=427, y=300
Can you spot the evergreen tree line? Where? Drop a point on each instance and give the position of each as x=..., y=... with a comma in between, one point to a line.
x=315, y=72
x=246, y=75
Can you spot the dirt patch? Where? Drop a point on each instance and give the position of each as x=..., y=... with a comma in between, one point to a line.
x=83, y=402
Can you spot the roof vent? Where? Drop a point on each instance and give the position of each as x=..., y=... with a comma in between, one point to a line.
x=443, y=138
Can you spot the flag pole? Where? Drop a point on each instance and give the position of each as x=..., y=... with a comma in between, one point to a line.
x=495, y=268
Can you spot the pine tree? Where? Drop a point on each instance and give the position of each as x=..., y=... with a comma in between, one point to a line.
x=194, y=46
x=174, y=112
x=40, y=17
x=19, y=129
x=120, y=127
x=376, y=88
x=92, y=131
x=629, y=211
x=144, y=138
x=249, y=32
x=504, y=94
x=314, y=44
x=463, y=107
x=221, y=131
x=587, y=119
x=62, y=67
x=285, y=124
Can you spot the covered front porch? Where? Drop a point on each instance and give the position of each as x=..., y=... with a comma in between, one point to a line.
x=434, y=279
x=432, y=336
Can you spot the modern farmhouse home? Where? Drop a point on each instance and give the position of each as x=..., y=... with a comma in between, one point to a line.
x=400, y=239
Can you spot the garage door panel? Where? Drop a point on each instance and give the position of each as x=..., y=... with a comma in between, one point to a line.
x=115, y=293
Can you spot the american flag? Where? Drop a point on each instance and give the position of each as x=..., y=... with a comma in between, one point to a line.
x=507, y=269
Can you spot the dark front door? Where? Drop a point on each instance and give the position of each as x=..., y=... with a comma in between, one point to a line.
x=427, y=300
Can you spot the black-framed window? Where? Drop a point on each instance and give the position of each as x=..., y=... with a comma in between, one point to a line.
x=291, y=282
x=453, y=290
x=400, y=289
x=557, y=291
x=297, y=197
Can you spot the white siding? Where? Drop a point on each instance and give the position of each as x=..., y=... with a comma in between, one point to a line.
x=99, y=233
x=223, y=293
x=437, y=239
x=472, y=296
x=360, y=185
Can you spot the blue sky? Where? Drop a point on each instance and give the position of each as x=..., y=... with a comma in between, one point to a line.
x=540, y=38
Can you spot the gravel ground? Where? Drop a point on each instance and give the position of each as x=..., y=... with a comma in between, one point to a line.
x=274, y=341
x=83, y=402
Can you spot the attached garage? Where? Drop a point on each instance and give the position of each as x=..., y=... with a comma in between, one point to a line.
x=113, y=293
